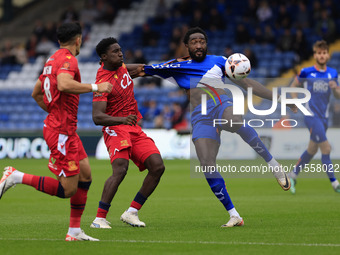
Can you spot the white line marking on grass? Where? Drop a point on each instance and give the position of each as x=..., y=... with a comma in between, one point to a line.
x=185, y=242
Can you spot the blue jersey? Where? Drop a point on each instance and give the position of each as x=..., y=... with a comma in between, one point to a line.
x=317, y=82
x=187, y=74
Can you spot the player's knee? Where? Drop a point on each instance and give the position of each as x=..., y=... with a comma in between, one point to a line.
x=120, y=168
x=207, y=162
x=70, y=191
x=326, y=150
x=158, y=170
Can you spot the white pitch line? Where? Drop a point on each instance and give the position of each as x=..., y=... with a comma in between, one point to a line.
x=186, y=242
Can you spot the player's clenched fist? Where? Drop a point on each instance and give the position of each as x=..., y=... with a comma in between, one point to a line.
x=130, y=120
x=105, y=87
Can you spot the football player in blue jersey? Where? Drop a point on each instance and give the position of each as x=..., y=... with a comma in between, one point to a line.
x=193, y=73
x=320, y=80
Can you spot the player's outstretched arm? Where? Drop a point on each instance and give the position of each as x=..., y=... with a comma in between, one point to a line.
x=135, y=70
x=335, y=88
x=258, y=88
x=295, y=84
x=67, y=84
x=100, y=117
x=38, y=95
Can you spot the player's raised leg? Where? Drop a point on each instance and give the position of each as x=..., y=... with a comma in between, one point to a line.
x=207, y=150
x=154, y=164
x=250, y=136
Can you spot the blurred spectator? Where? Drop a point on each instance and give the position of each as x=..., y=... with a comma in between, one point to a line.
x=39, y=29
x=7, y=53
x=51, y=31
x=178, y=121
x=139, y=57
x=300, y=45
x=316, y=12
x=264, y=12
x=216, y=21
x=161, y=12
x=88, y=14
x=69, y=15
x=167, y=116
x=184, y=7
x=198, y=20
x=242, y=35
x=31, y=46
x=251, y=11
x=285, y=42
x=283, y=19
x=44, y=47
x=149, y=37
x=325, y=27
x=302, y=19
x=258, y=37
x=20, y=54
x=268, y=35
x=251, y=56
x=107, y=15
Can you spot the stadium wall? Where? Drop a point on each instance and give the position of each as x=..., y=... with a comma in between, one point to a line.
x=283, y=144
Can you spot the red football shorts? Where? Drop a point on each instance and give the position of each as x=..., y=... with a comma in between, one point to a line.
x=66, y=152
x=129, y=142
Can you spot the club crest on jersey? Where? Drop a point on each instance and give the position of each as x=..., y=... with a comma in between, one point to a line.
x=66, y=66
x=124, y=143
x=72, y=166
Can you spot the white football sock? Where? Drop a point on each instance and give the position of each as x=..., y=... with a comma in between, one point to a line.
x=17, y=176
x=74, y=231
x=233, y=212
x=335, y=184
x=132, y=209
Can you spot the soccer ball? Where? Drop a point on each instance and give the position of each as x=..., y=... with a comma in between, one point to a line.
x=237, y=66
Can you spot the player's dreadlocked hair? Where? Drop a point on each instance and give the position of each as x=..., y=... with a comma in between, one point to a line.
x=194, y=30
x=104, y=45
x=67, y=31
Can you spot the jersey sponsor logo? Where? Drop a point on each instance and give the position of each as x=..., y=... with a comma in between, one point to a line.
x=66, y=66
x=165, y=66
x=47, y=70
x=320, y=86
x=72, y=166
x=110, y=132
x=124, y=143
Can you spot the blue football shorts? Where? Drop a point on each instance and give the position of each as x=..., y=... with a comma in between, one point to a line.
x=317, y=128
x=203, y=125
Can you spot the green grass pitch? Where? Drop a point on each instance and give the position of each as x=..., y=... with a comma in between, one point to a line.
x=182, y=216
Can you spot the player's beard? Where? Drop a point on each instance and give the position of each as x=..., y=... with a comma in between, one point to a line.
x=198, y=58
